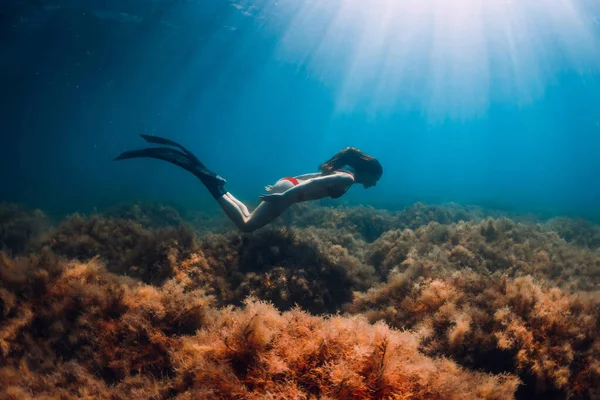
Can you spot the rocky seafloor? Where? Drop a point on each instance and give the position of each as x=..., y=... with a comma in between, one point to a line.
x=431, y=302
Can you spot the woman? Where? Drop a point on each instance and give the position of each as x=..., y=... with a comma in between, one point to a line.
x=346, y=168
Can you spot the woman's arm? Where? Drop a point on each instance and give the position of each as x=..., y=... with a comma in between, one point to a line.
x=313, y=188
x=309, y=176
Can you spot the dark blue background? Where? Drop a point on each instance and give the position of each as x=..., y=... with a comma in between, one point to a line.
x=80, y=81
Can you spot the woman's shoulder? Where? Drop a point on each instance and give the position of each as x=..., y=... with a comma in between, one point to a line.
x=305, y=177
x=344, y=180
x=345, y=174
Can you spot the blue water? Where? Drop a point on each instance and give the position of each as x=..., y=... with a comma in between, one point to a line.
x=494, y=103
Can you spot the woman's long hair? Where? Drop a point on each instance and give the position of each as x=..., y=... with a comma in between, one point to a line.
x=359, y=161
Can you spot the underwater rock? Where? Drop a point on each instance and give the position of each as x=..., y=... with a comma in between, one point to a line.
x=576, y=231
x=125, y=246
x=367, y=222
x=256, y=350
x=74, y=330
x=287, y=267
x=149, y=215
x=20, y=229
x=547, y=336
x=107, y=307
x=494, y=295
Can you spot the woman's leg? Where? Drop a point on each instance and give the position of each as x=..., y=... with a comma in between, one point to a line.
x=235, y=209
x=248, y=222
x=241, y=205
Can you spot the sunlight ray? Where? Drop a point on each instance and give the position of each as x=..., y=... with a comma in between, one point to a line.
x=447, y=58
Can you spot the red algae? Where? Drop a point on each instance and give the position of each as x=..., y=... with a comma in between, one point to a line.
x=432, y=302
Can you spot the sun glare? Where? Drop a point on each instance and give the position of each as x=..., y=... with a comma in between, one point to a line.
x=448, y=57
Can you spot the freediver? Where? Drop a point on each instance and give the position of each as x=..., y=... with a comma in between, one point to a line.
x=336, y=176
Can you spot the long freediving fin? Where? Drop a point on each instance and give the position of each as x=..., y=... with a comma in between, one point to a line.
x=213, y=182
x=168, y=142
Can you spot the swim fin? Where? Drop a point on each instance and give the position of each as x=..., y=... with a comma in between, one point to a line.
x=184, y=159
x=160, y=140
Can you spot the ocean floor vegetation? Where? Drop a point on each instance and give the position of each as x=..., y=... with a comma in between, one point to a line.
x=146, y=301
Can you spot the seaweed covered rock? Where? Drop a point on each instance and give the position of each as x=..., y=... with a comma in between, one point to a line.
x=370, y=223
x=148, y=215
x=287, y=267
x=488, y=246
x=547, y=336
x=56, y=312
x=108, y=307
x=71, y=330
x=366, y=222
x=125, y=246
x=497, y=295
x=20, y=229
x=258, y=351
x=420, y=214
x=157, y=215
x=579, y=232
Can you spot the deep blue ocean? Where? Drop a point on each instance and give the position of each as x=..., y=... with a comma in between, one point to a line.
x=491, y=103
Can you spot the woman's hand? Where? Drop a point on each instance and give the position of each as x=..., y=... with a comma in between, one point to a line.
x=272, y=198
